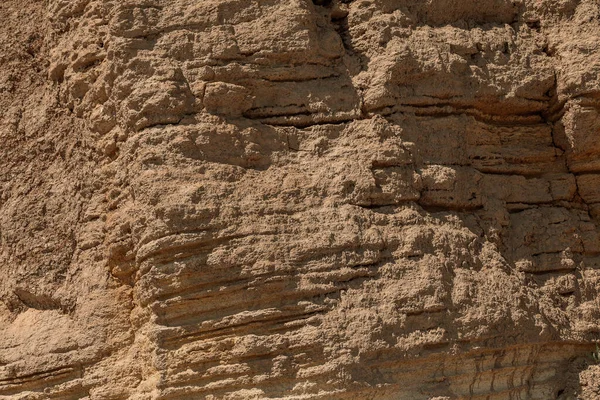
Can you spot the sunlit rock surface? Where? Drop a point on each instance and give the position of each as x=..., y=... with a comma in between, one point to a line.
x=234, y=199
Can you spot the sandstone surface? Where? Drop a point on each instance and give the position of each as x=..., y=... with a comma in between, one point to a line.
x=265, y=199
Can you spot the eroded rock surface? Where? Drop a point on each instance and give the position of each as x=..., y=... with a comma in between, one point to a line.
x=233, y=199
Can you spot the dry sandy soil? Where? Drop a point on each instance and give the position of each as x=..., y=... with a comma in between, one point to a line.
x=267, y=199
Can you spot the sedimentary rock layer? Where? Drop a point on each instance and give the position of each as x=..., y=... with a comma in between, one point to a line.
x=233, y=199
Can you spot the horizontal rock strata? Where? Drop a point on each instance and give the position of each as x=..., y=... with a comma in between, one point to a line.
x=231, y=199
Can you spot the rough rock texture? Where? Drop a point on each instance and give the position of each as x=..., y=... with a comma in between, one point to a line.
x=244, y=199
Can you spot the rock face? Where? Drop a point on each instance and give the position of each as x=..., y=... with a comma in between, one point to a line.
x=234, y=199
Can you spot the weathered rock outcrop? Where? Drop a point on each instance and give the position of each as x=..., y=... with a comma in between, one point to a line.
x=233, y=199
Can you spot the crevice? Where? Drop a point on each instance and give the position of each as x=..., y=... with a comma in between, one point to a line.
x=237, y=328
x=40, y=302
x=284, y=121
x=163, y=124
x=315, y=79
x=442, y=111
x=558, y=271
x=40, y=380
x=382, y=208
x=449, y=208
x=581, y=200
x=416, y=313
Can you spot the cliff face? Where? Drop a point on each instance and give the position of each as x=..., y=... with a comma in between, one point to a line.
x=233, y=199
